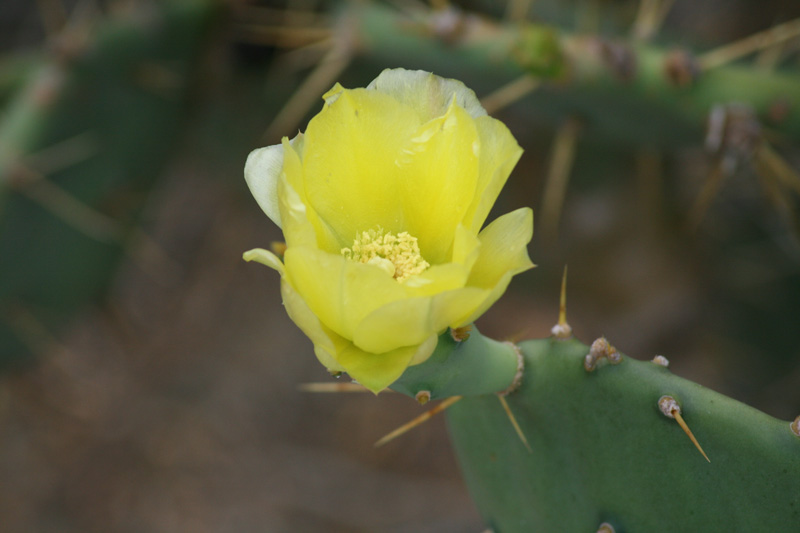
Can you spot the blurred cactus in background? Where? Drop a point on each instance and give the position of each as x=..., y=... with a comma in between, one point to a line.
x=156, y=382
x=86, y=129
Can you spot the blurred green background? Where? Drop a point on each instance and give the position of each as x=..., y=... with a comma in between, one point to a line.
x=150, y=375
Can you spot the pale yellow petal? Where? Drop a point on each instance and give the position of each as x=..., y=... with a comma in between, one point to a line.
x=298, y=231
x=503, y=254
x=436, y=279
x=424, y=350
x=459, y=306
x=429, y=94
x=378, y=371
x=499, y=153
x=325, y=341
x=340, y=292
x=349, y=160
x=503, y=248
x=397, y=324
x=488, y=299
x=262, y=171
x=259, y=255
x=412, y=320
x=302, y=226
x=327, y=359
x=466, y=247
x=440, y=172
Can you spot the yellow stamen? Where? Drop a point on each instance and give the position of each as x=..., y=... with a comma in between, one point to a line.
x=398, y=254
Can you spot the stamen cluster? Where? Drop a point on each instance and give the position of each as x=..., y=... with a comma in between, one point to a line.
x=397, y=254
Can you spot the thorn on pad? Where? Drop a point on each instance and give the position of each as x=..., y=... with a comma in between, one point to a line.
x=332, y=387
x=562, y=330
x=670, y=408
x=514, y=422
x=424, y=417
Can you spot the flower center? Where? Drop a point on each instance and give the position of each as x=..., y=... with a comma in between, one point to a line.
x=397, y=254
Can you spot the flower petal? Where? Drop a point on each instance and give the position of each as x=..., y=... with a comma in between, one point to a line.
x=259, y=255
x=325, y=341
x=262, y=171
x=302, y=224
x=349, y=161
x=499, y=154
x=340, y=292
x=378, y=371
x=424, y=351
x=503, y=248
x=466, y=247
x=429, y=94
x=412, y=320
x=503, y=254
x=440, y=170
x=489, y=298
x=436, y=279
x=400, y=323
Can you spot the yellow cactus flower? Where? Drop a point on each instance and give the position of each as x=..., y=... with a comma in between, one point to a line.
x=381, y=203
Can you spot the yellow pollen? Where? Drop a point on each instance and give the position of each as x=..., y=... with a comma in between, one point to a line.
x=398, y=254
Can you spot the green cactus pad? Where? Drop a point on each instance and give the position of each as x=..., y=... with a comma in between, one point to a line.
x=602, y=451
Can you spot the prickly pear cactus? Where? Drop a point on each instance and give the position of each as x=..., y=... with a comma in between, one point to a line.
x=602, y=451
x=552, y=435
